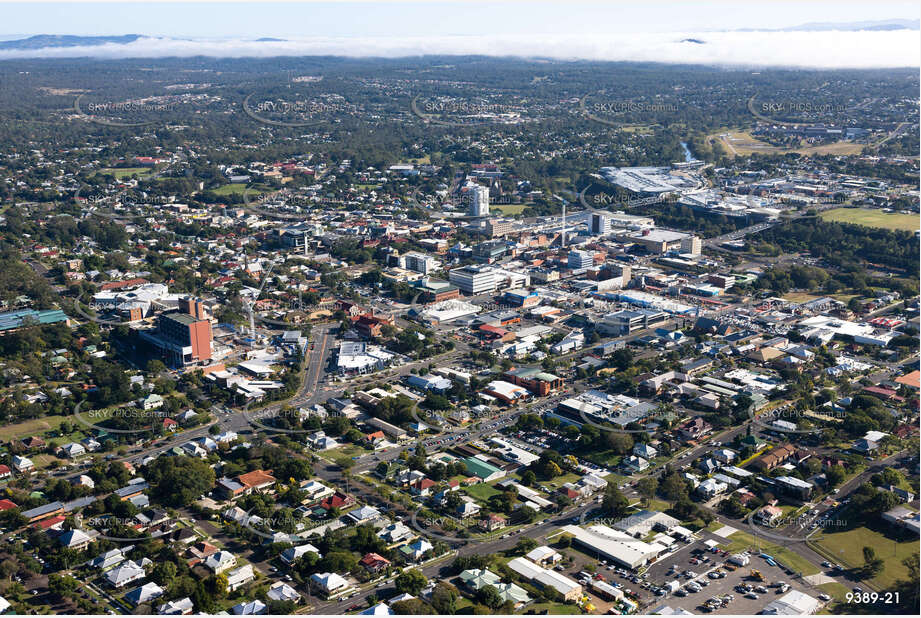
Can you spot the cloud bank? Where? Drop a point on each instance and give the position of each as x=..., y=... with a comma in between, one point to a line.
x=832, y=49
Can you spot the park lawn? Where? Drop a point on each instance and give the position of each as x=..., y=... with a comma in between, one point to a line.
x=125, y=172
x=846, y=547
x=658, y=505
x=739, y=541
x=346, y=451
x=508, y=209
x=234, y=188
x=871, y=217
x=482, y=491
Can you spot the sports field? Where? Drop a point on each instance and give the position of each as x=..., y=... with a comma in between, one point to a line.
x=508, y=209
x=126, y=172
x=871, y=217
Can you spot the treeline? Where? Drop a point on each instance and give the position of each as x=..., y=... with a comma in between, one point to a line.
x=845, y=245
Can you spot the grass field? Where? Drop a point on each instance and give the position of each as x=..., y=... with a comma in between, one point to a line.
x=742, y=143
x=847, y=548
x=482, y=491
x=35, y=426
x=508, y=209
x=234, y=188
x=870, y=217
x=125, y=172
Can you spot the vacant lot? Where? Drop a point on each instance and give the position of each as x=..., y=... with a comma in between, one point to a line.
x=872, y=218
x=33, y=427
x=847, y=547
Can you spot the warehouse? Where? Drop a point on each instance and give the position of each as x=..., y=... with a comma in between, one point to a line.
x=619, y=547
x=570, y=590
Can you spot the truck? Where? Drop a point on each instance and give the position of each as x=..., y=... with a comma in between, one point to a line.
x=740, y=559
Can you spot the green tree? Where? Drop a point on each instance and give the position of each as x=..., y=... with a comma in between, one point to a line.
x=411, y=582
x=444, y=598
x=489, y=596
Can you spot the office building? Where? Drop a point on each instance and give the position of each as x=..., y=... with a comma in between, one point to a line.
x=581, y=259
x=691, y=245
x=420, y=262
x=473, y=279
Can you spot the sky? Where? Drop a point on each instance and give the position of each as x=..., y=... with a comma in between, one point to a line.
x=468, y=17
x=634, y=30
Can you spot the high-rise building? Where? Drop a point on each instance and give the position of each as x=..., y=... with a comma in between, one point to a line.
x=194, y=307
x=478, y=201
x=581, y=259
x=601, y=225
x=182, y=339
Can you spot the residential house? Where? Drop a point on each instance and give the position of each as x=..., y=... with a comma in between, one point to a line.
x=238, y=578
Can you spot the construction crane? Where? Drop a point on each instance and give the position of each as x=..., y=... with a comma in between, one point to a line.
x=251, y=302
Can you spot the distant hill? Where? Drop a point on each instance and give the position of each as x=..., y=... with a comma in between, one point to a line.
x=40, y=41
x=852, y=26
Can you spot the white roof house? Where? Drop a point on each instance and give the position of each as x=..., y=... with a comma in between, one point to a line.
x=381, y=609
x=249, y=608
x=125, y=573
x=147, y=592
x=180, y=607
x=290, y=555
x=240, y=577
x=280, y=591
x=329, y=582
x=221, y=561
